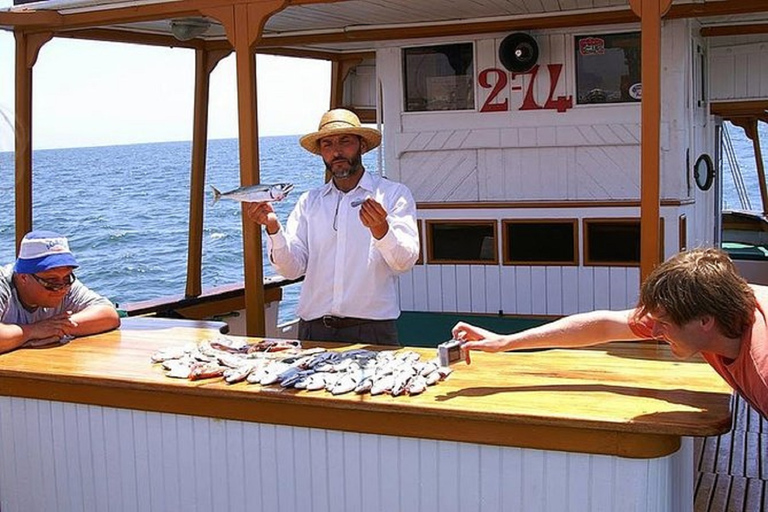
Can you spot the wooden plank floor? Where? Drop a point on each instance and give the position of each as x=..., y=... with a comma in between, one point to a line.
x=733, y=468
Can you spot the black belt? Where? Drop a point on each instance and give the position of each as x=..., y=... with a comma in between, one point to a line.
x=338, y=322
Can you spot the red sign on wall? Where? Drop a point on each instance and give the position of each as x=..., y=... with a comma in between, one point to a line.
x=498, y=79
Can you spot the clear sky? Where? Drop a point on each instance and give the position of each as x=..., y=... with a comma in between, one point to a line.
x=92, y=94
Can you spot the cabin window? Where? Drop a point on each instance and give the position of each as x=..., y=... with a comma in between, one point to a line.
x=540, y=242
x=615, y=242
x=420, y=260
x=700, y=77
x=608, y=68
x=461, y=242
x=439, y=77
x=682, y=233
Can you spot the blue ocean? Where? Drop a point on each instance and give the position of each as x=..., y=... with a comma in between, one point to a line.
x=125, y=209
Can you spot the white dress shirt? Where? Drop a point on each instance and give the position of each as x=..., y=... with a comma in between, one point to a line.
x=348, y=273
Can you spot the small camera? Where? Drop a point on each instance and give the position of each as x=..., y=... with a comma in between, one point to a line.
x=451, y=351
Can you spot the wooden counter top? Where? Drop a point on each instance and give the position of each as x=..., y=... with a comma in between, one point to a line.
x=627, y=399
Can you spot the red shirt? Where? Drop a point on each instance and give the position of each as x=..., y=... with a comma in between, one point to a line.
x=748, y=373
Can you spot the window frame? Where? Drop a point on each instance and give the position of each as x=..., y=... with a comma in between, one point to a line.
x=404, y=79
x=588, y=262
x=507, y=259
x=430, y=256
x=574, y=55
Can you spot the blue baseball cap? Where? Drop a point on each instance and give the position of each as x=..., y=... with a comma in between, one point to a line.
x=41, y=251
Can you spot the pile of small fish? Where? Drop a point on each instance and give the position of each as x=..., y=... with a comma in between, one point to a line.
x=284, y=362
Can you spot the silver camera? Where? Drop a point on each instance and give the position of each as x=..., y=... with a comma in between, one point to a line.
x=451, y=351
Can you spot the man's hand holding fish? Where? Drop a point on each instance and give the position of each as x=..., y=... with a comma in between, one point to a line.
x=264, y=215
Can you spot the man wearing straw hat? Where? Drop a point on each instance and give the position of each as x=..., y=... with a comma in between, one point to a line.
x=41, y=300
x=350, y=238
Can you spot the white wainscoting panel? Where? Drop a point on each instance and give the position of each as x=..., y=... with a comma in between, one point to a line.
x=739, y=72
x=523, y=290
x=68, y=457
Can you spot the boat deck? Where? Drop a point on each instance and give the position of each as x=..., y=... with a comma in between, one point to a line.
x=733, y=468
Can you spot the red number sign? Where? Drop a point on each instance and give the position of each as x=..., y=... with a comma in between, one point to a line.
x=501, y=79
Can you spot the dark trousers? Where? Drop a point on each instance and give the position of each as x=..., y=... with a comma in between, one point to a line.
x=374, y=332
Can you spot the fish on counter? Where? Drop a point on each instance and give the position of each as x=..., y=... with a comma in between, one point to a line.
x=285, y=363
x=254, y=193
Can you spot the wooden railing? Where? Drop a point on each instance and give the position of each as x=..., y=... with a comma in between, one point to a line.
x=215, y=301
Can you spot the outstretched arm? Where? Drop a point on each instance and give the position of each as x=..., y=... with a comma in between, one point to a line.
x=580, y=330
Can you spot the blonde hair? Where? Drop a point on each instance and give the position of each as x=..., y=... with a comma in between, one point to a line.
x=696, y=283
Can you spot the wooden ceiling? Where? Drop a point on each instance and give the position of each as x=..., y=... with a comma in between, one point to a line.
x=329, y=27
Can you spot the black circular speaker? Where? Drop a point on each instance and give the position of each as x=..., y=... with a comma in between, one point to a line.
x=518, y=52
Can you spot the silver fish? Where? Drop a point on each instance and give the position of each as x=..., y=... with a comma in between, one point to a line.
x=166, y=354
x=316, y=381
x=234, y=375
x=433, y=378
x=402, y=379
x=365, y=385
x=383, y=385
x=429, y=367
x=255, y=193
x=178, y=369
x=417, y=385
x=344, y=384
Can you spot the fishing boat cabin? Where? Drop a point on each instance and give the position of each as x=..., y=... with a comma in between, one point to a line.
x=557, y=150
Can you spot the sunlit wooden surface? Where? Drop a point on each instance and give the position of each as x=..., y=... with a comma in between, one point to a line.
x=624, y=399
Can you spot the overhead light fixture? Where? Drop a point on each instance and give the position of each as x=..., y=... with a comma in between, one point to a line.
x=185, y=29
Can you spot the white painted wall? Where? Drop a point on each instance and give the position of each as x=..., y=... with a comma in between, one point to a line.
x=61, y=457
x=739, y=69
x=590, y=152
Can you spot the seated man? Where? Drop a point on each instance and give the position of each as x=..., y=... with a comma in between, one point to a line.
x=41, y=300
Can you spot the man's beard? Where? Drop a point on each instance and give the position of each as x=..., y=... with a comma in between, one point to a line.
x=355, y=165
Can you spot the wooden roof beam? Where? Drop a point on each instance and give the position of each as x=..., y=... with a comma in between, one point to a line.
x=730, y=110
x=735, y=30
x=166, y=41
x=539, y=23
x=52, y=19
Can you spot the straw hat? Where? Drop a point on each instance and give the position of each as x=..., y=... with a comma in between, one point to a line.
x=338, y=122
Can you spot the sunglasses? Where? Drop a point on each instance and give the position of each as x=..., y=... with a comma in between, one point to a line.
x=55, y=286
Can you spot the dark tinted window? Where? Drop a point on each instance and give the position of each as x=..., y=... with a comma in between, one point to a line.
x=439, y=77
x=613, y=242
x=540, y=242
x=462, y=242
x=608, y=68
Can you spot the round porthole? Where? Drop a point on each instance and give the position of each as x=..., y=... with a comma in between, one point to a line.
x=704, y=172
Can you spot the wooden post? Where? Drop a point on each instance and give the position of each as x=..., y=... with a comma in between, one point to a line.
x=27, y=50
x=244, y=24
x=650, y=12
x=205, y=62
